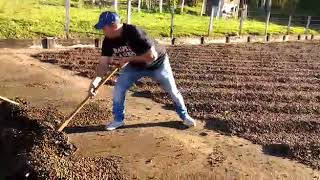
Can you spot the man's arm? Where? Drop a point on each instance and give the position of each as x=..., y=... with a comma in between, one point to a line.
x=101, y=70
x=103, y=66
x=147, y=57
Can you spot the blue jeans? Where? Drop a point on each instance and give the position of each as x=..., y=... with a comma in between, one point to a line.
x=128, y=75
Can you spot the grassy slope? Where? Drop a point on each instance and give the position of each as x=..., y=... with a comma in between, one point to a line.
x=32, y=18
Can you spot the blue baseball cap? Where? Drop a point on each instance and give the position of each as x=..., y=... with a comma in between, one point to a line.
x=107, y=18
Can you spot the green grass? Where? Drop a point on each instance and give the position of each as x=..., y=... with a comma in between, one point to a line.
x=33, y=19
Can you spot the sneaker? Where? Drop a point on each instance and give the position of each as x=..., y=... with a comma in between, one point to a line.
x=189, y=121
x=114, y=125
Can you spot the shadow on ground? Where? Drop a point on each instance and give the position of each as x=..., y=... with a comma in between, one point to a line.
x=217, y=124
x=145, y=94
x=279, y=150
x=96, y=128
x=275, y=149
x=148, y=94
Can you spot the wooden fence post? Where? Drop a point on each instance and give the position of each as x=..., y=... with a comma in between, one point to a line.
x=202, y=40
x=211, y=20
x=172, y=23
x=115, y=5
x=173, y=41
x=267, y=23
x=241, y=21
x=128, y=11
x=160, y=5
x=148, y=4
x=67, y=26
x=308, y=24
x=139, y=5
x=289, y=24
x=228, y=39
x=249, y=39
x=268, y=38
x=203, y=7
x=285, y=38
x=182, y=6
x=268, y=17
x=218, y=10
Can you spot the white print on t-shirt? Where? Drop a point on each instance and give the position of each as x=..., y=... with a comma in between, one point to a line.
x=123, y=51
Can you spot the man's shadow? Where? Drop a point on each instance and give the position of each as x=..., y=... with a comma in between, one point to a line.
x=96, y=128
x=146, y=94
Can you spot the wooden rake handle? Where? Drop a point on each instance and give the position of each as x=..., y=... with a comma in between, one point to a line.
x=86, y=100
x=8, y=100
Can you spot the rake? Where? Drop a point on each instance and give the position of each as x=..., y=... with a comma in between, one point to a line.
x=9, y=100
x=86, y=100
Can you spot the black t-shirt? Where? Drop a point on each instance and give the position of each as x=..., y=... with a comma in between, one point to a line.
x=133, y=41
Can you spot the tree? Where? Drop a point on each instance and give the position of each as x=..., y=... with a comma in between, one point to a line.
x=287, y=5
x=192, y=2
x=311, y=5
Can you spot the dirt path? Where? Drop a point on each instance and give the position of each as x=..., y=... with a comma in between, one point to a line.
x=154, y=144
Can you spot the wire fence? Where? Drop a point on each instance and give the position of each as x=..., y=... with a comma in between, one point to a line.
x=287, y=24
x=282, y=23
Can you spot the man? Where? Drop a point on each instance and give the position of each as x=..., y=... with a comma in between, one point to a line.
x=125, y=43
